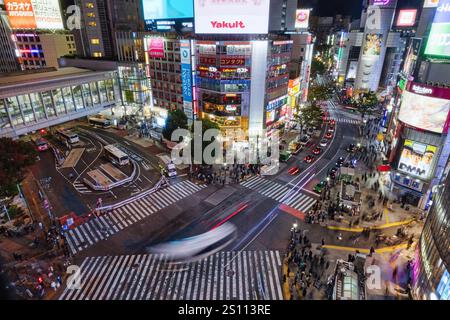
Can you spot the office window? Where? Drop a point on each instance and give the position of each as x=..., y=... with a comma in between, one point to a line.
x=92, y=24
x=90, y=5
x=97, y=54
x=91, y=15
x=95, y=41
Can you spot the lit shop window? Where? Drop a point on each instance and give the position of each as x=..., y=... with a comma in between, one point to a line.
x=92, y=24
x=91, y=15
x=90, y=5
x=97, y=54
x=95, y=41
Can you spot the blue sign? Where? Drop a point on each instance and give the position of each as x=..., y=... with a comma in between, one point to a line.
x=186, y=80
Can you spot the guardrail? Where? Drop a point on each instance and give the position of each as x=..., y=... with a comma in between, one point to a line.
x=115, y=184
x=103, y=141
x=161, y=183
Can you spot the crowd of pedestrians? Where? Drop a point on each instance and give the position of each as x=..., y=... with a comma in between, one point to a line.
x=234, y=173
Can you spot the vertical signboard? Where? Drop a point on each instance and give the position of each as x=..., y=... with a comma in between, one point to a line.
x=186, y=77
x=302, y=19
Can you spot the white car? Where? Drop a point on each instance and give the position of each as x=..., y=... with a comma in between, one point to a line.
x=323, y=142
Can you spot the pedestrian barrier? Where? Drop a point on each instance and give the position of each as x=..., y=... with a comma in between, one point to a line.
x=161, y=183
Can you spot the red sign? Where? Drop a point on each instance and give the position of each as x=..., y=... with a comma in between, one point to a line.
x=427, y=90
x=232, y=61
x=207, y=60
x=156, y=48
x=406, y=18
x=20, y=14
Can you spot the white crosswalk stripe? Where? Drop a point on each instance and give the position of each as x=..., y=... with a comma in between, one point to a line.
x=345, y=120
x=248, y=275
x=105, y=226
x=81, y=187
x=280, y=193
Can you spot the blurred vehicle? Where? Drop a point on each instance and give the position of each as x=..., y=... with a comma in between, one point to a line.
x=340, y=161
x=323, y=142
x=316, y=150
x=333, y=172
x=197, y=247
x=309, y=159
x=285, y=156
x=294, y=170
x=351, y=148
x=319, y=187
x=331, y=129
x=332, y=122
x=329, y=135
x=41, y=144
x=305, y=139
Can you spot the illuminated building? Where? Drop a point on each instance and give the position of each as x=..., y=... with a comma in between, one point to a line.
x=7, y=48
x=431, y=267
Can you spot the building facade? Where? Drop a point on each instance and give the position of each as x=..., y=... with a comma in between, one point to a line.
x=8, y=58
x=33, y=100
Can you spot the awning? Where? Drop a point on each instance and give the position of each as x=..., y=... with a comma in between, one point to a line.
x=384, y=168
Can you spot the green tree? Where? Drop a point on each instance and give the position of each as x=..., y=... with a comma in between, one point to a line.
x=366, y=103
x=317, y=67
x=318, y=93
x=175, y=119
x=309, y=116
x=15, y=156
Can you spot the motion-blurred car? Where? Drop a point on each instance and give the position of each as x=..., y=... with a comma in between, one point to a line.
x=316, y=150
x=323, y=142
x=340, y=161
x=329, y=135
x=309, y=159
x=351, y=148
x=333, y=173
x=294, y=170
x=319, y=187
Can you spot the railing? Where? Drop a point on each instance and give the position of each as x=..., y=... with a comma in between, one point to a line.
x=115, y=184
x=161, y=183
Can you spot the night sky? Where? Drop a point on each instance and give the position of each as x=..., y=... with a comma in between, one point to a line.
x=346, y=7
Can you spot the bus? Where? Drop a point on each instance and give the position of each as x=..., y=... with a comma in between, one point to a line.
x=69, y=136
x=197, y=247
x=100, y=122
x=116, y=155
x=41, y=144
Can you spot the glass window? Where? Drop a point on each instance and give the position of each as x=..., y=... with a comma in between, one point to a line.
x=38, y=107
x=102, y=90
x=28, y=114
x=14, y=111
x=94, y=91
x=48, y=104
x=4, y=120
x=87, y=95
x=68, y=99
x=110, y=89
x=59, y=101
x=76, y=90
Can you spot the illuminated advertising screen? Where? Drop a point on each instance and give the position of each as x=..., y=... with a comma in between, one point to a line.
x=430, y=3
x=424, y=112
x=411, y=56
x=416, y=159
x=163, y=15
x=231, y=17
x=155, y=47
x=353, y=67
x=406, y=18
x=34, y=14
x=302, y=19
x=439, y=38
x=372, y=45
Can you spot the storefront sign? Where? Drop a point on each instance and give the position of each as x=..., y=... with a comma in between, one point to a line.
x=156, y=47
x=417, y=159
x=186, y=70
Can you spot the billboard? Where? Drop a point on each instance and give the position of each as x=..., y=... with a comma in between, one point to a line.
x=351, y=74
x=34, y=14
x=424, y=112
x=231, y=17
x=430, y=3
x=372, y=45
x=406, y=18
x=155, y=47
x=164, y=15
x=302, y=19
x=416, y=159
x=439, y=39
x=411, y=56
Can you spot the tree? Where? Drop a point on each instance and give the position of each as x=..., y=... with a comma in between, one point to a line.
x=309, y=116
x=318, y=93
x=366, y=103
x=317, y=67
x=175, y=119
x=15, y=156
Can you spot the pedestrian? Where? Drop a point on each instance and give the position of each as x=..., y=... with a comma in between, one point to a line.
x=323, y=242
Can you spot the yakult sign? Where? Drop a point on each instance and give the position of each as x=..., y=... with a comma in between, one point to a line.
x=231, y=16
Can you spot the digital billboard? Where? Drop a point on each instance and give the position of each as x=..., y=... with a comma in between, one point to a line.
x=439, y=39
x=34, y=14
x=353, y=67
x=302, y=19
x=416, y=159
x=424, y=112
x=155, y=47
x=430, y=3
x=372, y=45
x=164, y=15
x=231, y=17
x=406, y=18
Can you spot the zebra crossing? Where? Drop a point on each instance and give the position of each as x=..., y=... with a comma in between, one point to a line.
x=345, y=120
x=81, y=187
x=118, y=219
x=280, y=193
x=226, y=275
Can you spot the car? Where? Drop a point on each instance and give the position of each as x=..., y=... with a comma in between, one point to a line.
x=323, y=142
x=304, y=140
x=316, y=150
x=319, y=187
x=331, y=129
x=310, y=131
x=329, y=135
x=332, y=122
x=294, y=170
x=309, y=159
x=351, y=148
x=340, y=161
x=333, y=172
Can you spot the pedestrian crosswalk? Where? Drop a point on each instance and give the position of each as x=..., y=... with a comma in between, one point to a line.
x=112, y=222
x=345, y=120
x=81, y=187
x=280, y=193
x=230, y=275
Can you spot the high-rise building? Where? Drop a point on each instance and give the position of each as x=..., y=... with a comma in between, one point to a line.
x=8, y=58
x=431, y=266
